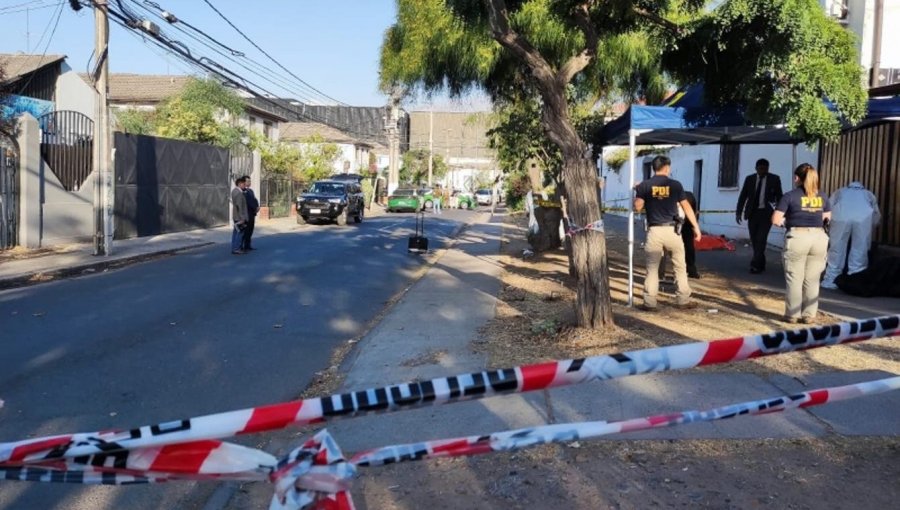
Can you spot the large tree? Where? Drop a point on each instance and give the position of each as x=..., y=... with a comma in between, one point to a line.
x=557, y=48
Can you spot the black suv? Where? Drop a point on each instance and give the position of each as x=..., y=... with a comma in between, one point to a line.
x=333, y=199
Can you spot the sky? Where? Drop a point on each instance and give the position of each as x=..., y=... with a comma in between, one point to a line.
x=333, y=45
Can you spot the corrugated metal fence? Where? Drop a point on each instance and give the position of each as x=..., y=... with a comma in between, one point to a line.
x=868, y=155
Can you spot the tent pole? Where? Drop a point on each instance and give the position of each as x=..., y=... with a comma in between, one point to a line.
x=631, y=156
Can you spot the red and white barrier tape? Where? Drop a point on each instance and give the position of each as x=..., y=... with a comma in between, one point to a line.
x=187, y=449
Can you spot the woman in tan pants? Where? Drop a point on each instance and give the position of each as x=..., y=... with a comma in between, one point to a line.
x=803, y=211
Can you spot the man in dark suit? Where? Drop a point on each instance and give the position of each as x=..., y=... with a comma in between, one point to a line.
x=756, y=203
x=252, y=209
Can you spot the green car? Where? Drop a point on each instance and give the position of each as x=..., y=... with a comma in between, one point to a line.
x=404, y=199
x=465, y=201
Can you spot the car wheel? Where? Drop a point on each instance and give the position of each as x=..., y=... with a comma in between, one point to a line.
x=301, y=220
x=428, y=205
x=359, y=214
x=342, y=218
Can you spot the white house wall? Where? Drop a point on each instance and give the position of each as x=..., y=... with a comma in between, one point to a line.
x=617, y=193
x=73, y=93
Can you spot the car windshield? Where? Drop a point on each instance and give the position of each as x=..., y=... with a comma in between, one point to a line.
x=483, y=192
x=327, y=188
x=404, y=193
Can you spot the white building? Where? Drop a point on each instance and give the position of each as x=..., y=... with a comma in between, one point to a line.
x=354, y=154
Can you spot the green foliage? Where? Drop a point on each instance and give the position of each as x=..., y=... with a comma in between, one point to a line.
x=414, y=167
x=135, y=121
x=368, y=190
x=781, y=58
x=278, y=158
x=204, y=111
x=517, y=186
x=317, y=159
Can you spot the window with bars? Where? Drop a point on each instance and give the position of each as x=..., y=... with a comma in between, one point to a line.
x=729, y=158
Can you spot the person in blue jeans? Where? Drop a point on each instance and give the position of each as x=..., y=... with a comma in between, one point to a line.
x=239, y=216
x=436, y=204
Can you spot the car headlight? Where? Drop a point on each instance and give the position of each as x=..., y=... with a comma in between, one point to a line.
x=335, y=200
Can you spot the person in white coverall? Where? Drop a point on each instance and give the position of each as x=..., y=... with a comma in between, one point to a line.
x=854, y=215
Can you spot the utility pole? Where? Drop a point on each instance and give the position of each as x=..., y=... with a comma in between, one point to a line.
x=430, y=146
x=102, y=140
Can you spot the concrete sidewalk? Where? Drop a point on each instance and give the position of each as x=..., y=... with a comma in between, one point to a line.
x=428, y=334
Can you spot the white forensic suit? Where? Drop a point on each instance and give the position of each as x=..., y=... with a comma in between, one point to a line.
x=854, y=215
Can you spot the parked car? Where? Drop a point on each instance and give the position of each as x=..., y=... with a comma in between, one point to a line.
x=332, y=199
x=404, y=199
x=484, y=197
x=465, y=200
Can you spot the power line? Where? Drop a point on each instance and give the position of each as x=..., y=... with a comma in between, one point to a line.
x=211, y=6
x=230, y=54
x=129, y=21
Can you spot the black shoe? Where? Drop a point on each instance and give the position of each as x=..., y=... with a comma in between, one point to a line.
x=756, y=270
x=695, y=275
x=239, y=252
x=648, y=308
x=690, y=305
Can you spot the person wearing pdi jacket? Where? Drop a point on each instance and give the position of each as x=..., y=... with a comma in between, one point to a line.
x=855, y=215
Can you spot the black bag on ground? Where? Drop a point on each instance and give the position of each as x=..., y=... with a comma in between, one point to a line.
x=419, y=243
x=881, y=278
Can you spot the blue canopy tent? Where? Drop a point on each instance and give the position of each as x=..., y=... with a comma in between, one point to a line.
x=685, y=119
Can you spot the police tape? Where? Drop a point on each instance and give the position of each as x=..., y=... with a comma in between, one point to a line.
x=596, y=226
x=188, y=449
x=318, y=475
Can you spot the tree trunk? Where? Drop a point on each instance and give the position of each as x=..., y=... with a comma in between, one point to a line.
x=592, y=306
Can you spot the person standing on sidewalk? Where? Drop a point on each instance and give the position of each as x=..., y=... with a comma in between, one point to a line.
x=687, y=237
x=756, y=203
x=803, y=211
x=436, y=200
x=661, y=196
x=239, y=216
x=854, y=215
x=252, y=209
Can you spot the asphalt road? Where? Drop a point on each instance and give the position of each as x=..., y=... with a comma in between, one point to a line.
x=200, y=332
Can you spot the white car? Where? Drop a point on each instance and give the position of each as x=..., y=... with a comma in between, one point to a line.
x=484, y=197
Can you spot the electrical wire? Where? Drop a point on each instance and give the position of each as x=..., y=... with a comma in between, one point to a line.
x=29, y=6
x=44, y=54
x=211, y=6
x=258, y=69
x=134, y=22
x=129, y=21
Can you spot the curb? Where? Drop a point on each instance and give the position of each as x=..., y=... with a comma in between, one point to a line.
x=39, y=277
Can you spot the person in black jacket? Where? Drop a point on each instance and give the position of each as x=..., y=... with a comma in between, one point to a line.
x=756, y=203
x=687, y=235
x=252, y=209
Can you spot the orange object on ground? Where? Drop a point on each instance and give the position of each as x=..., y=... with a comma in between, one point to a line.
x=709, y=243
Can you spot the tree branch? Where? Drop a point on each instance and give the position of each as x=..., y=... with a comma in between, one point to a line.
x=577, y=63
x=498, y=17
x=659, y=20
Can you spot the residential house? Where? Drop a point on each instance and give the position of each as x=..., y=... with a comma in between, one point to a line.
x=354, y=154
x=147, y=91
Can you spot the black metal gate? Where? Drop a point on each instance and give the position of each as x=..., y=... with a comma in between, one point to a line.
x=9, y=197
x=67, y=139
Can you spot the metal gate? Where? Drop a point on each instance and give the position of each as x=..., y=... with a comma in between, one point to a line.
x=240, y=161
x=9, y=197
x=67, y=139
